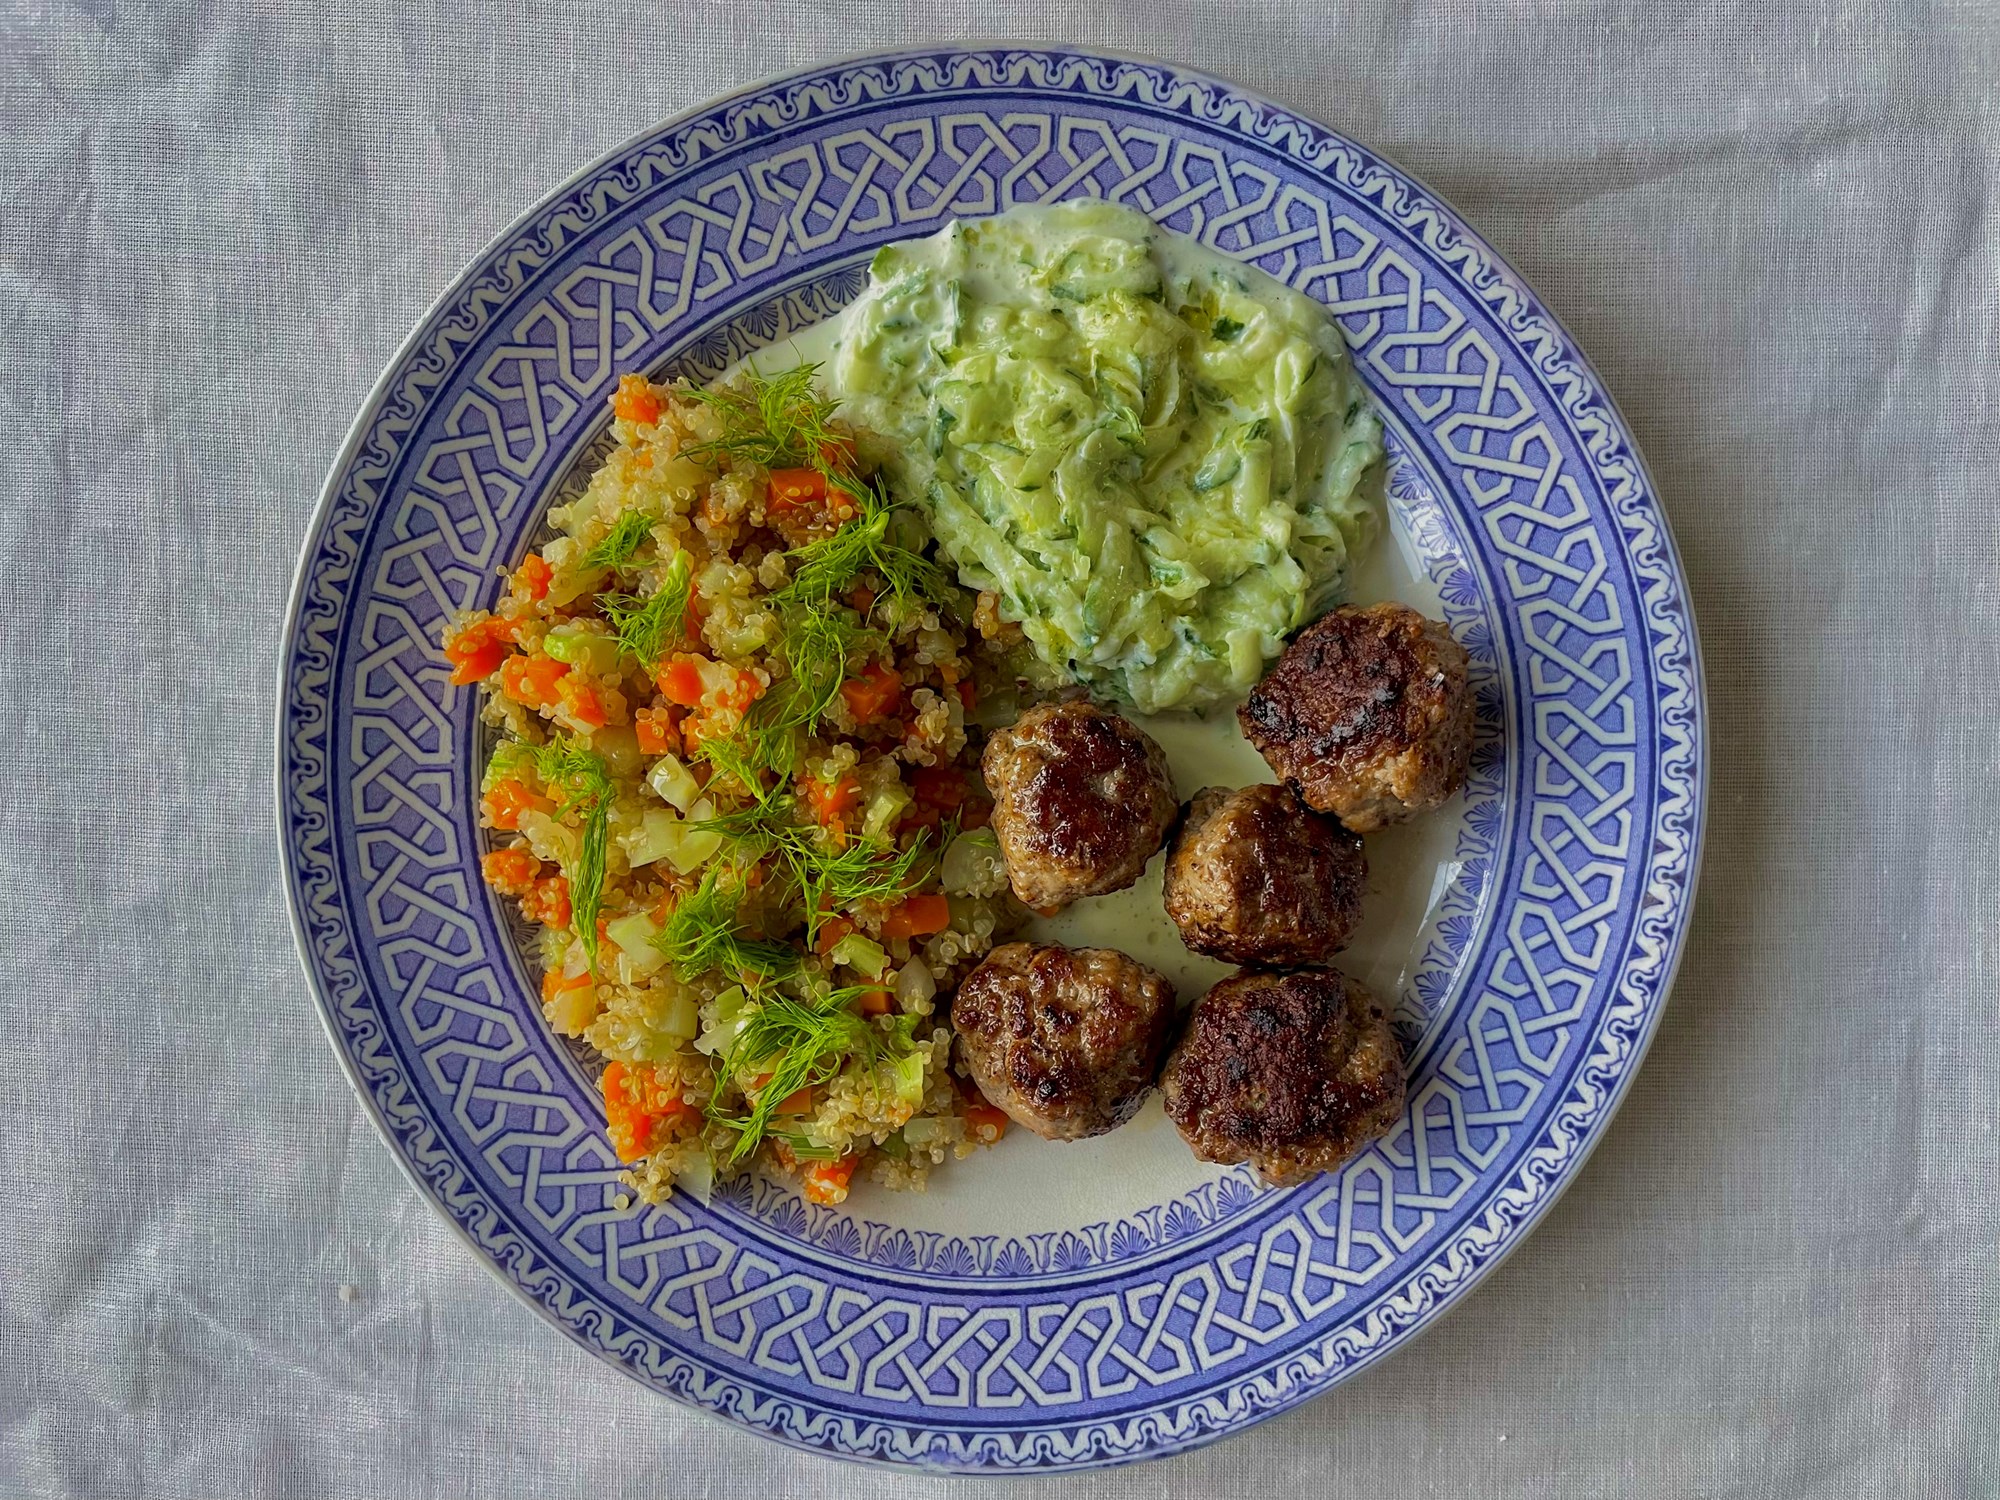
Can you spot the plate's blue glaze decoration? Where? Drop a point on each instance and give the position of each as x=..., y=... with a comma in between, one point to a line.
x=1143, y=1328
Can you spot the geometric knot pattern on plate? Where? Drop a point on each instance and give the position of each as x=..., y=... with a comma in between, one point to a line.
x=1542, y=971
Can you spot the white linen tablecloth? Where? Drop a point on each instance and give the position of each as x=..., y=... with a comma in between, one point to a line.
x=1776, y=230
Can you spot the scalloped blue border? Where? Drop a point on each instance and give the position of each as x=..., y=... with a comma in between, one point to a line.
x=1574, y=1124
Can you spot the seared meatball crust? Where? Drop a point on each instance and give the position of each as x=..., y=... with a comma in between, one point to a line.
x=1256, y=877
x=1081, y=799
x=1066, y=1041
x=1291, y=1073
x=1368, y=713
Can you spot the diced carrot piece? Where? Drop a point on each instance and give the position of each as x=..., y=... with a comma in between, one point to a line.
x=581, y=699
x=861, y=597
x=988, y=1123
x=554, y=982
x=508, y=799
x=829, y=803
x=800, y=1103
x=477, y=663
x=476, y=652
x=531, y=680
x=837, y=454
x=640, y=1108
x=680, y=681
x=636, y=401
x=968, y=695
x=873, y=694
x=796, y=489
x=918, y=916
x=656, y=732
x=877, y=1003
x=531, y=579
x=831, y=931
x=511, y=872
x=825, y=1182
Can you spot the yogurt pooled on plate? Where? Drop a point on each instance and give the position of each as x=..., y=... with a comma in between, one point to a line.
x=1154, y=455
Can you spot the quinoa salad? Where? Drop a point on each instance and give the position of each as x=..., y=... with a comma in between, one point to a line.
x=735, y=702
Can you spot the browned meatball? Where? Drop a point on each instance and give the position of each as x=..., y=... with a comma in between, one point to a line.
x=1291, y=1073
x=1067, y=1041
x=1368, y=713
x=1255, y=877
x=1081, y=799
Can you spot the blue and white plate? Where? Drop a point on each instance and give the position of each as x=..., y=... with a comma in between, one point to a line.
x=1042, y=1307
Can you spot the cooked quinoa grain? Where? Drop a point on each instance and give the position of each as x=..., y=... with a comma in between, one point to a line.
x=731, y=700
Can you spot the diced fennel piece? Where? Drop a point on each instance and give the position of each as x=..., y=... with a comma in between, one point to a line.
x=679, y=1016
x=594, y=652
x=863, y=955
x=696, y=1173
x=696, y=844
x=908, y=1073
x=732, y=1013
x=662, y=834
x=884, y=808
x=673, y=782
x=657, y=837
x=972, y=865
x=634, y=936
x=915, y=984
x=571, y=1008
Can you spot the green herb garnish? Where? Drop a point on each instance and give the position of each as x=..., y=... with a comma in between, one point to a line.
x=778, y=421
x=626, y=536
x=795, y=1044
x=581, y=784
x=744, y=760
x=822, y=570
x=829, y=881
x=773, y=420
x=1223, y=330
x=705, y=931
x=819, y=647
x=864, y=872
x=646, y=626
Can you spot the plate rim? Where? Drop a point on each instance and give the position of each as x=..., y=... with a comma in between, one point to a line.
x=1462, y=229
